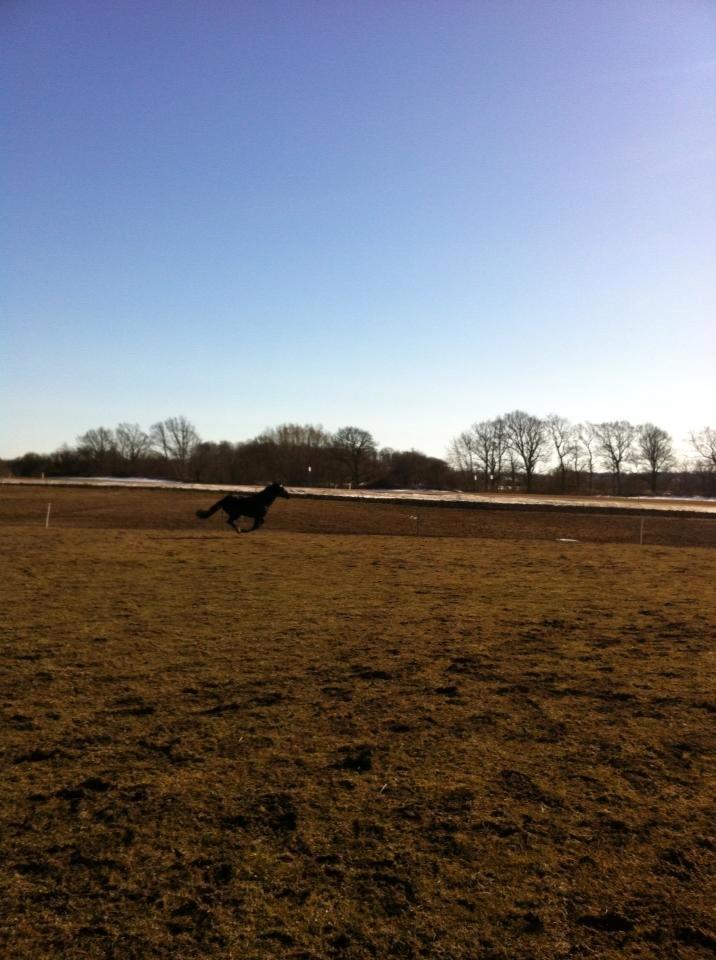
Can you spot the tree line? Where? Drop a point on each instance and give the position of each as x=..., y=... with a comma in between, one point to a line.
x=508, y=450
x=514, y=451
x=296, y=454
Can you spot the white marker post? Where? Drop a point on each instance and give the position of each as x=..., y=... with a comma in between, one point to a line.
x=47, y=518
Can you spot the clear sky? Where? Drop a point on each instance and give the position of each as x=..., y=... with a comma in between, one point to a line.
x=406, y=215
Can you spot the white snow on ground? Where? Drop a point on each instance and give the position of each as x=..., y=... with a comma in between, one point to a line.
x=689, y=499
x=707, y=507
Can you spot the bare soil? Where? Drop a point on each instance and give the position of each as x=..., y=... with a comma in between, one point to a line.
x=316, y=741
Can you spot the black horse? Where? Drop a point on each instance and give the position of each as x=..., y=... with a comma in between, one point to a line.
x=254, y=505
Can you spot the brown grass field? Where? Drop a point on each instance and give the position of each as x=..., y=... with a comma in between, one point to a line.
x=332, y=738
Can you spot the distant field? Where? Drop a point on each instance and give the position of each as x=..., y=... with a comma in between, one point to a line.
x=333, y=738
x=86, y=507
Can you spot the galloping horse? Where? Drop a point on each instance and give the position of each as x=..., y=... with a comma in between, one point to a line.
x=254, y=505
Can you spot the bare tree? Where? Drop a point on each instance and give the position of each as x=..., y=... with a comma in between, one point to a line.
x=490, y=445
x=513, y=464
x=354, y=447
x=577, y=461
x=97, y=443
x=99, y=447
x=564, y=441
x=299, y=452
x=704, y=443
x=297, y=435
x=462, y=456
x=588, y=441
x=655, y=449
x=132, y=442
x=176, y=439
x=615, y=441
x=527, y=436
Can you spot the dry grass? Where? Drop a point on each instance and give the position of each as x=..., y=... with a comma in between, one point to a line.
x=299, y=745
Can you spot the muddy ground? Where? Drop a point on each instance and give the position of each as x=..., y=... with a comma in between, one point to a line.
x=305, y=743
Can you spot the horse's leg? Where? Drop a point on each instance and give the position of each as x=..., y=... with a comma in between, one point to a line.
x=258, y=521
x=233, y=517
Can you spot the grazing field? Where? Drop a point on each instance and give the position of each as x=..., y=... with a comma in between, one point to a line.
x=316, y=741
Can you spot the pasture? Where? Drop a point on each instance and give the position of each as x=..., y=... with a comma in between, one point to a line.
x=333, y=738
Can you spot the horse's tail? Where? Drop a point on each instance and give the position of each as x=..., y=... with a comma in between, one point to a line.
x=205, y=514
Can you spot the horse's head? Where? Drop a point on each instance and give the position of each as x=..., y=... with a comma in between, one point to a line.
x=279, y=491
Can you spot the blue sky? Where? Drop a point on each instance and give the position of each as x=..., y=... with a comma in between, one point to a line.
x=406, y=216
